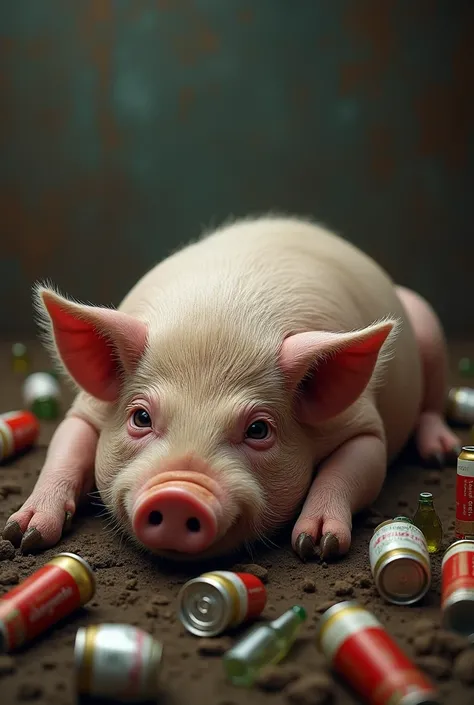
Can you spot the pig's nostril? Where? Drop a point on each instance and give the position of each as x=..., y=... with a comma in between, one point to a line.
x=155, y=518
x=193, y=525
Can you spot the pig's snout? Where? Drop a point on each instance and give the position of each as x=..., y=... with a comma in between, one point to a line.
x=176, y=517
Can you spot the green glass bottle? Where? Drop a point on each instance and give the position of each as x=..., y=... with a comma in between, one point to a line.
x=428, y=521
x=263, y=645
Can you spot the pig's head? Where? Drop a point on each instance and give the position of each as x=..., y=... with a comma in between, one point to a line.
x=210, y=437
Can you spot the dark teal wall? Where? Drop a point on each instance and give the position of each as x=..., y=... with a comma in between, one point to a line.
x=125, y=126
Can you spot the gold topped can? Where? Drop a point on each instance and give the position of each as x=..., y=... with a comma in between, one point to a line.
x=61, y=586
x=465, y=494
x=399, y=561
x=117, y=661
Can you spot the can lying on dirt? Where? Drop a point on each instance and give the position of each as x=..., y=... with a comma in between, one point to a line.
x=457, y=588
x=400, y=562
x=117, y=661
x=360, y=649
x=18, y=431
x=62, y=585
x=214, y=602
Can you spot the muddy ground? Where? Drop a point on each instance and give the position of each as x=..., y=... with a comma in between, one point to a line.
x=140, y=590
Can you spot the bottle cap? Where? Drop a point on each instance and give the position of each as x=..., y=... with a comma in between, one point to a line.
x=300, y=612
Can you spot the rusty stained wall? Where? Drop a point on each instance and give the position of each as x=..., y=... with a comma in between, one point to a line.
x=127, y=126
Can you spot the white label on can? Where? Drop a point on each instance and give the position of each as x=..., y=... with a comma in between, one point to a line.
x=397, y=535
x=6, y=440
x=120, y=660
x=342, y=625
x=465, y=467
x=40, y=385
x=241, y=590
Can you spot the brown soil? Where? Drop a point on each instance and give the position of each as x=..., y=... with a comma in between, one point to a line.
x=140, y=590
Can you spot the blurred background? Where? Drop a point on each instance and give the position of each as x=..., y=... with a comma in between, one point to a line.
x=128, y=126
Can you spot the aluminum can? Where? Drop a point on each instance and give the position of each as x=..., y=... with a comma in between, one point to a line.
x=400, y=562
x=465, y=494
x=460, y=407
x=61, y=586
x=18, y=431
x=361, y=650
x=457, y=587
x=117, y=661
x=220, y=600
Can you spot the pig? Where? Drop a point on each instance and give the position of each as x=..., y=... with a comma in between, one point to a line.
x=266, y=372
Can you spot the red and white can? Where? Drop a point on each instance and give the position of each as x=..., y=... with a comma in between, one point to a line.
x=61, y=586
x=18, y=431
x=465, y=494
x=457, y=588
x=360, y=649
x=214, y=602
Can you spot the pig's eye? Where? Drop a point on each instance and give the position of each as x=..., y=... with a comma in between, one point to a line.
x=258, y=431
x=141, y=419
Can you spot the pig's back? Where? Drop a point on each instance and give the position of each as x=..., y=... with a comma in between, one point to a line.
x=285, y=275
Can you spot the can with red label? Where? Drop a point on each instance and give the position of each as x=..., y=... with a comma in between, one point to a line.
x=61, y=586
x=457, y=588
x=465, y=494
x=18, y=431
x=360, y=649
x=214, y=602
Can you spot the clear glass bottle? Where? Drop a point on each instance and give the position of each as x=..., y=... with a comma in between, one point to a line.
x=428, y=521
x=263, y=645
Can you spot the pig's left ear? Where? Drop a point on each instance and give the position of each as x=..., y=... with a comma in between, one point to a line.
x=329, y=371
x=95, y=345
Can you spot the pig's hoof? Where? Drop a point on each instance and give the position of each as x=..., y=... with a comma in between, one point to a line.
x=33, y=528
x=436, y=443
x=305, y=547
x=329, y=547
x=13, y=533
x=31, y=541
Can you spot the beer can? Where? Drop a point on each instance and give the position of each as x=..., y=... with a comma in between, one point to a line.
x=457, y=587
x=214, y=602
x=117, y=661
x=18, y=431
x=62, y=585
x=400, y=562
x=361, y=650
x=460, y=408
x=42, y=394
x=465, y=494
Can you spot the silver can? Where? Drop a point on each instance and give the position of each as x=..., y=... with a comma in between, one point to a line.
x=400, y=562
x=216, y=601
x=117, y=661
x=460, y=408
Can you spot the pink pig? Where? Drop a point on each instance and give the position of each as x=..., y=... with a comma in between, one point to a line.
x=268, y=369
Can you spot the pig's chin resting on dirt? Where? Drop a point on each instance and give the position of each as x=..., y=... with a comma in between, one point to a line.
x=189, y=510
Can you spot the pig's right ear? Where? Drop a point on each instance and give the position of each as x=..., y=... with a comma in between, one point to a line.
x=97, y=346
x=328, y=371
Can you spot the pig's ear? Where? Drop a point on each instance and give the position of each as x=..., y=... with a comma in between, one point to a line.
x=96, y=346
x=329, y=371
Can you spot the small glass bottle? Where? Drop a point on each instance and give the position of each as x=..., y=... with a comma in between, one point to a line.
x=428, y=521
x=264, y=645
x=20, y=359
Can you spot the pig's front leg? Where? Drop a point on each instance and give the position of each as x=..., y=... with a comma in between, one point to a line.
x=349, y=480
x=67, y=473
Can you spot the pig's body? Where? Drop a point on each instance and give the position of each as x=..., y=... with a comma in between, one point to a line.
x=235, y=322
